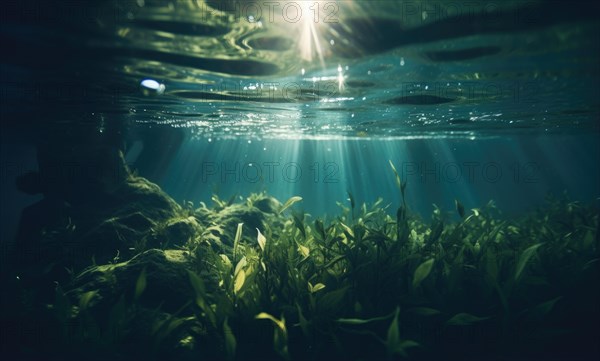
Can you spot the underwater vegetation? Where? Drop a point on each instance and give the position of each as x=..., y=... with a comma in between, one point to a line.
x=259, y=279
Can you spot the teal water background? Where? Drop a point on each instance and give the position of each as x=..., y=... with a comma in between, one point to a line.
x=467, y=105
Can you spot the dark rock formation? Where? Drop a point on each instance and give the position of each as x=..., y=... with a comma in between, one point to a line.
x=95, y=214
x=168, y=286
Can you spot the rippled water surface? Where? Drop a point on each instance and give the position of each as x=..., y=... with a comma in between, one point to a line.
x=306, y=69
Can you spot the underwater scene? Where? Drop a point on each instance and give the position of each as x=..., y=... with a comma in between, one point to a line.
x=300, y=180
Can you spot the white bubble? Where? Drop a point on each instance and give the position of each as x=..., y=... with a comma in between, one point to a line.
x=152, y=87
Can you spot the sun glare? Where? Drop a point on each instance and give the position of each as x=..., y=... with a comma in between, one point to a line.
x=310, y=37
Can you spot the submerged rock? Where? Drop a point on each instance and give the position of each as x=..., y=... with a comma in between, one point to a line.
x=167, y=280
x=267, y=204
x=180, y=231
x=117, y=226
x=259, y=211
x=144, y=305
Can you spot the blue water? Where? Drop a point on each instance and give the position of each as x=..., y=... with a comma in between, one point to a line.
x=473, y=106
x=517, y=173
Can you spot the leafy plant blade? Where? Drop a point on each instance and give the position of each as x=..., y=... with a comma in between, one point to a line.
x=140, y=284
x=524, y=258
x=289, y=203
x=262, y=241
x=464, y=319
x=240, y=279
x=422, y=272
x=230, y=341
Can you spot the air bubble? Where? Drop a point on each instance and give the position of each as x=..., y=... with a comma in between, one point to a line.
x=151, y=87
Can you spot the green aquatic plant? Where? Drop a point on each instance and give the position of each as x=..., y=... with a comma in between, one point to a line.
x=363, y=285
